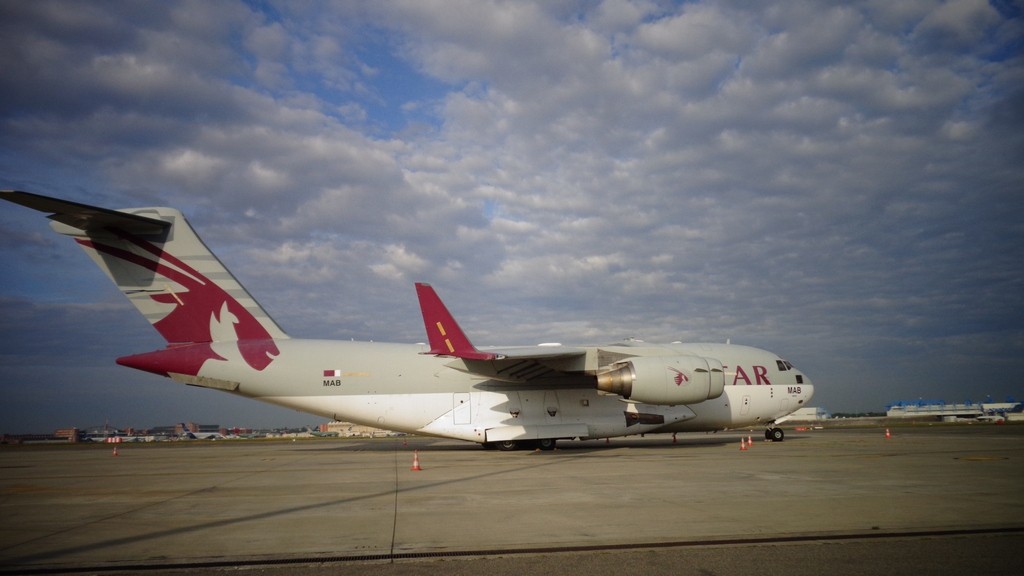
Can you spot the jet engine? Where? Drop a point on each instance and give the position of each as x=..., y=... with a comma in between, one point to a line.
x=666, y=380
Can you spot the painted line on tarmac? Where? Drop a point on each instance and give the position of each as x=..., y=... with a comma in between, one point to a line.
x=256, y=563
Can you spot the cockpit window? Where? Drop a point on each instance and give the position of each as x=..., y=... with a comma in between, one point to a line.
x=788, y=365
x=783, y=365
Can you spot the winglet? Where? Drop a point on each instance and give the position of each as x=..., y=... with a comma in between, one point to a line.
x=443, y=332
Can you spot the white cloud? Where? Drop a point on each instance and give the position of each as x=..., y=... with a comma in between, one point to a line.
x=957, y=24
x=698, y=30
x=399, y=263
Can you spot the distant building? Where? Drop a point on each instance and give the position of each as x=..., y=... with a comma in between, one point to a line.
x=195, y=428
x=72, y=434
x=941, y=409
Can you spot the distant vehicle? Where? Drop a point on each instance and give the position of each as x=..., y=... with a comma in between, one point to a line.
x=218, y=337
x=998, y=418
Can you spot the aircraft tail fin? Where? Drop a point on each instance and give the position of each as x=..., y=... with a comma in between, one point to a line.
x=160, y=264
x=443, y=332
x=186, y=433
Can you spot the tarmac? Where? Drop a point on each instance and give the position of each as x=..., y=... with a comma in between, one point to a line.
x=933, y=499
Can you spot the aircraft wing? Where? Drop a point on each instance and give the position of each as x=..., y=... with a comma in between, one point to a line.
x=515, y=364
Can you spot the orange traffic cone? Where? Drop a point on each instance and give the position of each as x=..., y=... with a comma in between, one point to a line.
x=416, y=461
x=887, y=435
x=750, y=442
x=743, y=444
x=115, y=449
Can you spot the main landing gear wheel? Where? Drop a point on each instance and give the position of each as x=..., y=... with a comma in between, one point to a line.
x=507, y=445
x=774, y=434
x=546, y=443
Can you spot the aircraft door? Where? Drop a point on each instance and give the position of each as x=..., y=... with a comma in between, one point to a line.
x=462, y=409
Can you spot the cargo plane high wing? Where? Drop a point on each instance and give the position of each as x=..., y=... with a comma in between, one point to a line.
x=218, y=337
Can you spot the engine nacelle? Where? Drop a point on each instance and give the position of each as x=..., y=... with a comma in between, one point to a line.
x=666, y=380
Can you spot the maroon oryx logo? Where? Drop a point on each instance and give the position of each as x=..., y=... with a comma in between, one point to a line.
x=680, y=378
x=200, y=308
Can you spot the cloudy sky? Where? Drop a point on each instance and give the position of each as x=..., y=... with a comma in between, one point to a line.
x=840, y=183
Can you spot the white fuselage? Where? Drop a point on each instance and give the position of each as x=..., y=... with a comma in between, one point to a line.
x=398, y=387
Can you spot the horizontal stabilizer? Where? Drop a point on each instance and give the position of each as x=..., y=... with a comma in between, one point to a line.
x=84, y=217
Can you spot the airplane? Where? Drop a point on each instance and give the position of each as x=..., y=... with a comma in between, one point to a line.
x=506, y=398
x=188, y=434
